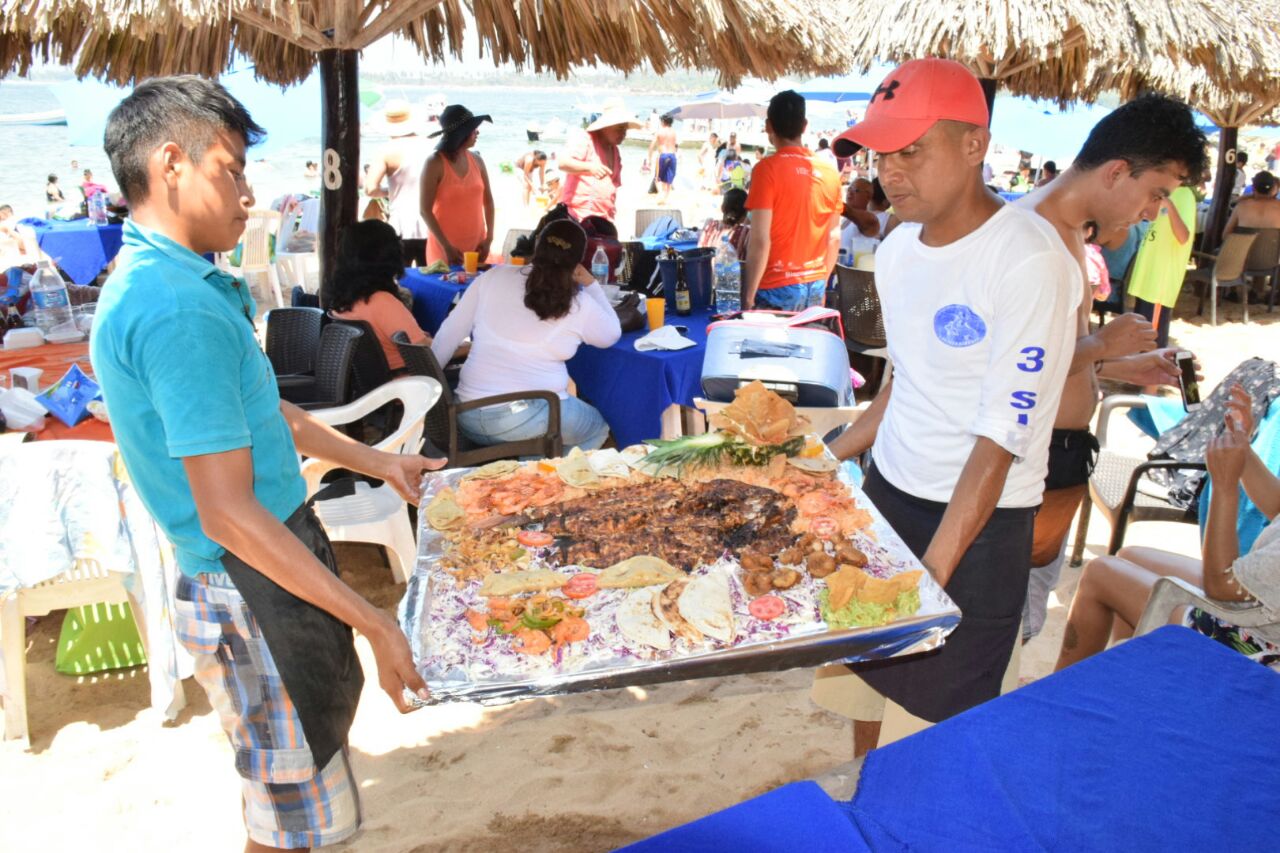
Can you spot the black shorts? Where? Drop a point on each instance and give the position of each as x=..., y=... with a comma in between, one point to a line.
x=989, y=586
x=414, y=251
x=1072, y=455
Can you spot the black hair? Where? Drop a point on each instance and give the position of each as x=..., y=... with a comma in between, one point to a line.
x=185, y=109
x=823, y=144
x=667, y=120
x=88, y=173
x=877, y=193
x=1264, y=183
x=786, y=114
x=52, y=178
x=733, y=207
x=1147, y=132
x=539, y=156
x=370, y=259
x=310, y=163
x=1242, y=157
x=1049, y=166
x=558, y=249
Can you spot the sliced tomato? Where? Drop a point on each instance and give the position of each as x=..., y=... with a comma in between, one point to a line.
x=581, y=585
x=824, y=527
x=767, y=607
x=534, y=538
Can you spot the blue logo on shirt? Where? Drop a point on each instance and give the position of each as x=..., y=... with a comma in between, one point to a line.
x=958, y=326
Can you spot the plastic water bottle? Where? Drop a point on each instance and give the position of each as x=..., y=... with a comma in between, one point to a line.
x=600, y=266
x=728, y=278
x=49, y=296
x=98, y=208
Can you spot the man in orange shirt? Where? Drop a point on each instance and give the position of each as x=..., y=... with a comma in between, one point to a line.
x=795, y=216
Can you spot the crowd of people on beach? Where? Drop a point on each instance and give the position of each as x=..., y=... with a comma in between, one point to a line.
x=977, y=452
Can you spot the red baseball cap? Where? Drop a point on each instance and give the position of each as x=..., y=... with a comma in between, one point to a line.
x=913, y=98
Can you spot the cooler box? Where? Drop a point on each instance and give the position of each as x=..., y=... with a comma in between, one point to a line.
x=801, y=357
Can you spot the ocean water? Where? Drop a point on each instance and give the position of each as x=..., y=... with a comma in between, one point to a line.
x=30, y=153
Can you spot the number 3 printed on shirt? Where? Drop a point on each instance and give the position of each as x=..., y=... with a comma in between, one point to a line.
x=1035, y=359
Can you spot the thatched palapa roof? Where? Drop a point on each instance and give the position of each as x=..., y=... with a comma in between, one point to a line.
x=1045, y=48
x=126, y=40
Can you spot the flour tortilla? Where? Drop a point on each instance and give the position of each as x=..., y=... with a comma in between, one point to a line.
x=494, y=470
x=443, y=513
x=639, y=623
x=705, y=604
x=637, y=572
x=576, y=471
x=815, y=465
x=514, y=583
x=666, y=608
x=609, y=463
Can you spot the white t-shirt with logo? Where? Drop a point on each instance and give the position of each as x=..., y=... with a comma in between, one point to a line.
x=981, y=334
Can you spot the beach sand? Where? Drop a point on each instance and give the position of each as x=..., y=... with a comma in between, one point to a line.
x=579, y=773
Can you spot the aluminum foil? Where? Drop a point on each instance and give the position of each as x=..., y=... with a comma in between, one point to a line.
x=456, y=669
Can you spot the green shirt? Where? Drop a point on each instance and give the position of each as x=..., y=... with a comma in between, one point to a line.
x=1161, y=263
x=182, y=375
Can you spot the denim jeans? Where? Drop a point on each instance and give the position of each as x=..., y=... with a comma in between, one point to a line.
x=792, y=297
x=580, y=424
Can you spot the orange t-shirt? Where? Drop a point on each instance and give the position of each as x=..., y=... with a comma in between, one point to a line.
x=387, y=315
x=804, y=194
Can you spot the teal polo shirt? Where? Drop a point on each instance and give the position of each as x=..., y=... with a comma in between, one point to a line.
x=182, y=374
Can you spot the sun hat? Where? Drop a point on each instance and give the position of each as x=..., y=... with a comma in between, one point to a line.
x=399, y=119
x=614, y=113
x=562, y=243
x=913, y=98
x=456, y=124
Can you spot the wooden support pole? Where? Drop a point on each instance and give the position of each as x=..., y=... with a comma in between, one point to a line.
x=1223, y=183
x=340, y=162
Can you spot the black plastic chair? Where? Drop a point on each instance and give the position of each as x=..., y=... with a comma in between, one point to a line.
x=331, y=383
x=293, y=336
x=1264, y=260
x=369, y=368
x=299, y=298
x=442, y=421
x=863, y=319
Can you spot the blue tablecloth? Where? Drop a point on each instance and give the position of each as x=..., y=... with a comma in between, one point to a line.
x=654, y=244
x=432, y=296
x=1011, y=196
x=798, y=817
x=80, y=248
x=1166, y=742
x=632, y=389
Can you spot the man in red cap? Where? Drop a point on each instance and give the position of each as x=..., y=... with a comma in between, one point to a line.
x=979, y=303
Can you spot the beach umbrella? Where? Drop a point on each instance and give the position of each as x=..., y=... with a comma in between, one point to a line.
x=722, y=105
x=123, y=41
x=1044, y=48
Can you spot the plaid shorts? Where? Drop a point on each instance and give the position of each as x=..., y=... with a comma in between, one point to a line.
x=287, y=803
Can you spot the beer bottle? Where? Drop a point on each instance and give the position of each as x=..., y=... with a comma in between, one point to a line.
x=683, y=305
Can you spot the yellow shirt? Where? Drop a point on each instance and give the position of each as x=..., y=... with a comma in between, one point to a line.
x=1162, y=261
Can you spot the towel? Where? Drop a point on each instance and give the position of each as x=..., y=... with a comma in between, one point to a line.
x=664, y=338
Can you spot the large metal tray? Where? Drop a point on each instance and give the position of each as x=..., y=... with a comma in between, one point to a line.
x=926, y=630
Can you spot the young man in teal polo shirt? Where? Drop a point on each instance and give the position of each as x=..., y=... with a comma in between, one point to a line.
x=213, y=452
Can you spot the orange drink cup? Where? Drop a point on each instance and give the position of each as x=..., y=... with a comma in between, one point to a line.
x=657, y=309
x=471, y=262
x=516, y=261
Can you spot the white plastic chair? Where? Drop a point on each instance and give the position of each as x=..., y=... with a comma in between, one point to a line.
x=376, y=515
x=255, y=255
x=1169, y=593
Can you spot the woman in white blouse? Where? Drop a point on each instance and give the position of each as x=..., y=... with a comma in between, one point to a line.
x=525, y=323
x=1119, y=586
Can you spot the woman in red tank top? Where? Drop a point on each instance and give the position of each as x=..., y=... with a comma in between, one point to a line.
x=457, y=203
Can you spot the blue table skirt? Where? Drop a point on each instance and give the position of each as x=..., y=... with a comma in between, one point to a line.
x=432, y=296
x=1166, y=742
x=632, y=389
x=80, y=248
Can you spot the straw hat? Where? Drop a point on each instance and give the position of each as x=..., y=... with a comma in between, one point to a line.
x=614, y=114
x=398, y=119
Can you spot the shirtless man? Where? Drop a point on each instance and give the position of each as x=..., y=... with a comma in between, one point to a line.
x=1123, y=173
x=1259, y=210
x=664, y=143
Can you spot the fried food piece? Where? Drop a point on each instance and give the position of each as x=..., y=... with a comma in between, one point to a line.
x=757, y=583
x=758, y=415
x=820, y=564
x=785, y=578
x=793, y=556
x=753, y=561
x=850, y=554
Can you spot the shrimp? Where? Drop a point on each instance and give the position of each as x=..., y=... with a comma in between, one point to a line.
x=479, y=621
x=814, y=503
x=529, y=642
x=571, y=629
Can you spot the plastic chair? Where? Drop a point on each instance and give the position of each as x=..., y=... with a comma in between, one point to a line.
x=369, y=368
x=378, y=515
x=330, y=385
x=1264, y=260
x=1119, y=487
x=299, y=298
x=1228, y=270
x=862, y=316
x=1169, y=593
x=255, y=253
x=644, y=218
x=1114, y=303
x=442, y=421
x=293, y=338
